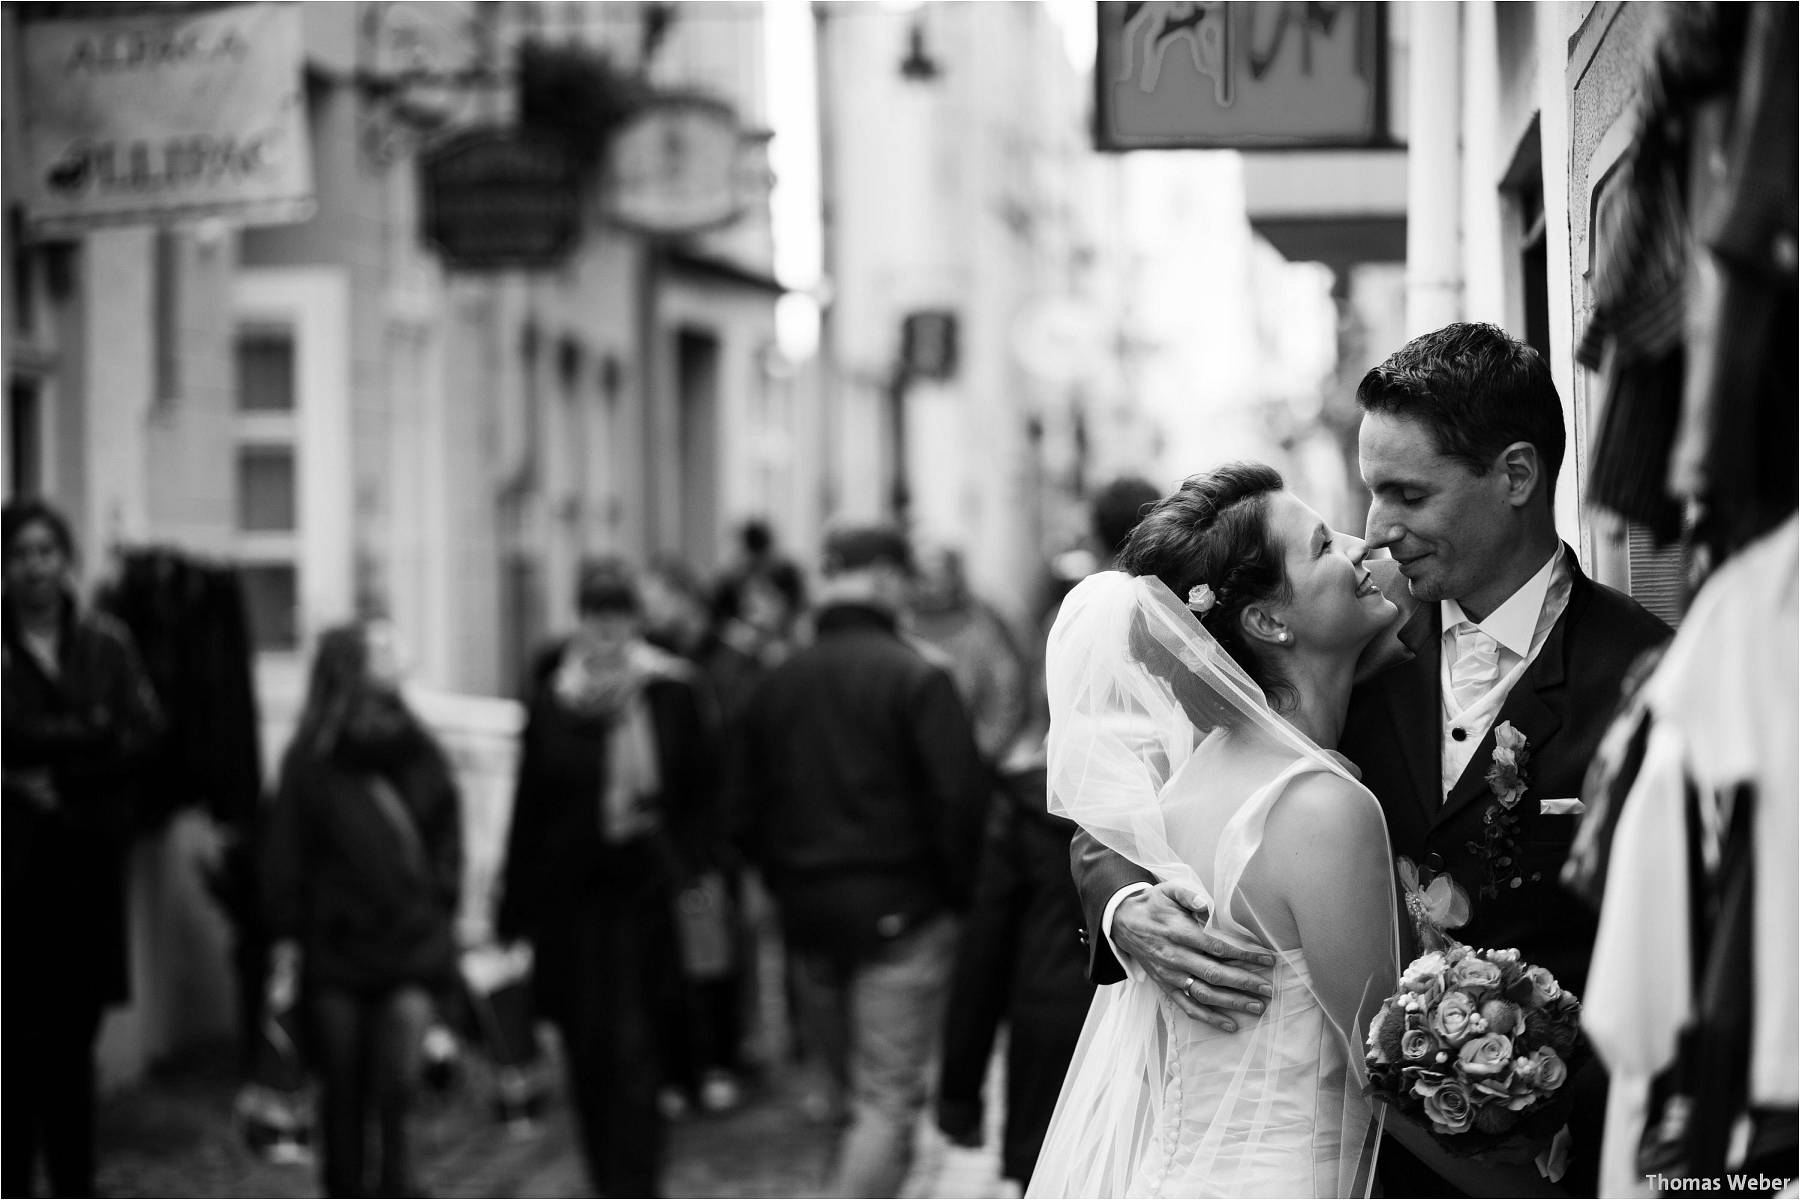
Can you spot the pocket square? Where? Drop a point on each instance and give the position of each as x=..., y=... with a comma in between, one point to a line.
x=1570, y=807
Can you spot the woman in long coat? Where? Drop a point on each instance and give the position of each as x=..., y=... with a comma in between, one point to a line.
x=80, y=719
x=610, y=780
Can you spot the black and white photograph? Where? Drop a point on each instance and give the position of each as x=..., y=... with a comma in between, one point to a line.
x=900, y=598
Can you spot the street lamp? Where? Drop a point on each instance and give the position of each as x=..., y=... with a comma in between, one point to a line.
x=918, y=65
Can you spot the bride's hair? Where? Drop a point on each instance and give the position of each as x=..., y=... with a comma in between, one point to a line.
x=1214, y=529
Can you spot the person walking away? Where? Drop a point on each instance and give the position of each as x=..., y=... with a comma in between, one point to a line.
x=979, y=649
x=704, y=1033
x=763, y=612
x=757, y=613
x=361, y=874
x=611, y=767
x=865, y=799
x=1020, y=963
x=80, y=720
x=1115, y=511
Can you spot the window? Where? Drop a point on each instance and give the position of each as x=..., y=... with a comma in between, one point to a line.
x=24, y=439
x=1534, y=266
x=24, y=272
x=267, y=484
x=1523, y=195
x=272, y=592
x=698, y=355
x=265, y=363
x=266, y=489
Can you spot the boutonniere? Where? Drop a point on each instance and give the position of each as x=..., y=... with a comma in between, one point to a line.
x=1507, y=780
x=1435, y=904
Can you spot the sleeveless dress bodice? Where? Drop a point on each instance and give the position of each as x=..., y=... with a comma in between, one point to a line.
x=1263, y=1107
x=1262, y=1111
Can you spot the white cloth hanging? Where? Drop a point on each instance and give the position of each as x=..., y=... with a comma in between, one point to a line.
x=1724, y=703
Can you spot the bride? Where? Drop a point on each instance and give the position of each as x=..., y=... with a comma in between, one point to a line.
x=1195, y=698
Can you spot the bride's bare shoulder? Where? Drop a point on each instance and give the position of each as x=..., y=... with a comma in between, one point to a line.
x=1321, y=807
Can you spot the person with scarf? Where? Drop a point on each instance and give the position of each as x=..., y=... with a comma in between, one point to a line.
x=361, y=875
x=80, y=720
x=611, y=780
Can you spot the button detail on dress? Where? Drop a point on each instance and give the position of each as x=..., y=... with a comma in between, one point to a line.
x=1459, y=734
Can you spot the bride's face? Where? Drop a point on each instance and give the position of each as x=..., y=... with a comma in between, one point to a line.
x=1335, y=605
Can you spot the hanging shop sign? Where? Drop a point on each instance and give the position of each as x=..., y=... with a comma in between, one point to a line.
x=165, y=116
x=678, y=167
x=1240, y=76
x=930, y=345
x=501, y=198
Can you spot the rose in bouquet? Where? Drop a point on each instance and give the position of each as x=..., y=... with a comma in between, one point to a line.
x=1478, y=1044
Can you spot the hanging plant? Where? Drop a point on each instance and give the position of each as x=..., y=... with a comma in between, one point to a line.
x=578, y=94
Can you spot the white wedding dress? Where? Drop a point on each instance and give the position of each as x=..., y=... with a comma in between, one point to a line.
x=1167, y=753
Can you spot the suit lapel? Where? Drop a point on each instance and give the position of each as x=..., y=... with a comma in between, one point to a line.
x=1536, y=706
x=1412, y=696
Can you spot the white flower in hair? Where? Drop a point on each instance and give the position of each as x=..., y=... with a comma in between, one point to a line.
x=1201, y=598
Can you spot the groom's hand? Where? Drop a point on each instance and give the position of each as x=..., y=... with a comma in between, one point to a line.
x=1162, y=929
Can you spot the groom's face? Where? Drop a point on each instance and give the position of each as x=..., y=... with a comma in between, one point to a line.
x=1447, y=526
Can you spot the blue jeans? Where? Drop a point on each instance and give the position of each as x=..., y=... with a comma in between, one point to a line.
x=878, y=1020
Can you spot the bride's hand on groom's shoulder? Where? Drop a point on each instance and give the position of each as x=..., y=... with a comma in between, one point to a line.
x=1163, y=930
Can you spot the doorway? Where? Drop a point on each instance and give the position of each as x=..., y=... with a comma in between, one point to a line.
x=697, y=366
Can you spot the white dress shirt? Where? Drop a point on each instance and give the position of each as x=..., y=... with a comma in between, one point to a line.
x=1521, y=626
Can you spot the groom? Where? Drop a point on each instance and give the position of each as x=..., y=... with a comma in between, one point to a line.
x=1461, y=441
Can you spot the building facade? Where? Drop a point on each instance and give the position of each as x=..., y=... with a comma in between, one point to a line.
x=362, y=425
x=1014, y=319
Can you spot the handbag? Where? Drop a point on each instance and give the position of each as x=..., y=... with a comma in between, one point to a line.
x=498, y=985
x=703, y=918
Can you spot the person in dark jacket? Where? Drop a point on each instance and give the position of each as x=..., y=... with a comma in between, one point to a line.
x=612, y=774
x=705, y=1035
x=361, y=873
x=80, y=720
x=1021, y=963
x=983, y=657
x=865, y=799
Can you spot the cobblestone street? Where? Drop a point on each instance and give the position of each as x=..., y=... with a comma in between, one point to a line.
x=173, y=1135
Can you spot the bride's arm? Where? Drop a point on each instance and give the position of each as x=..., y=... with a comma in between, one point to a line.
x=1326, y=845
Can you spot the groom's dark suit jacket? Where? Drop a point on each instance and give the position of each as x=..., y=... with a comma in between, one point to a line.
x=1393, y=733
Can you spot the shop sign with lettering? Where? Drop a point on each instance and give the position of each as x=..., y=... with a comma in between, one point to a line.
x=155, y=118
x=501, y=198
x=680, y=166
x=1243, y=76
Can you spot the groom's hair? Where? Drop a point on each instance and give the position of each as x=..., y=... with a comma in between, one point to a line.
x=1478, y=389
x=1214, y=529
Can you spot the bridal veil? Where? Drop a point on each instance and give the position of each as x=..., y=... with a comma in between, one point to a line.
x=1168, y=753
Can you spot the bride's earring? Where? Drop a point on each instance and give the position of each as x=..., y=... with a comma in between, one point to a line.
x=1283, y=637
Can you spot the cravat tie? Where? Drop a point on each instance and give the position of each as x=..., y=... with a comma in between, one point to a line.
x=1476, y=666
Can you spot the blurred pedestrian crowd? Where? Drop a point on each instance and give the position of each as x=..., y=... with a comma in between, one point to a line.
x=830, y=777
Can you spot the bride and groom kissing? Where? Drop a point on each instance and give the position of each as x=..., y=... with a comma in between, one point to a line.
x=1251, y=733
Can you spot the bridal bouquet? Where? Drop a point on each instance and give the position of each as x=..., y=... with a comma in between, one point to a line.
x=1479, y=1044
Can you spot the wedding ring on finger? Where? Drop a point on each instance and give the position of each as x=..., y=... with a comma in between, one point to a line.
x=1187, y=987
